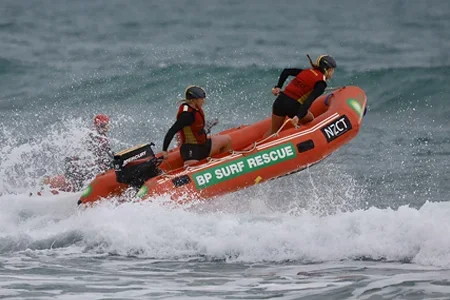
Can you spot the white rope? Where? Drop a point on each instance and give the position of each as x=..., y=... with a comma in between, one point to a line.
x=232, y=153
x=264, y=140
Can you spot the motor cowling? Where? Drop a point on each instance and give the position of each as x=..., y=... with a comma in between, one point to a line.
x=136, y=165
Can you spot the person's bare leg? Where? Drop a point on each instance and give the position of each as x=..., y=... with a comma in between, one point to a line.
x=277, y=122
x=220, y=144
x=190, y=162
x=306, y=119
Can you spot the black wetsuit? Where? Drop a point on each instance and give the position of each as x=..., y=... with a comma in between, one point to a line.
x=287, y=106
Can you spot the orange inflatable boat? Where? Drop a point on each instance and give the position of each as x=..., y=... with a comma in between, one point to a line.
x=255, y=159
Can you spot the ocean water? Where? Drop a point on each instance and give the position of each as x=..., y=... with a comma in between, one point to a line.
x=372, y=221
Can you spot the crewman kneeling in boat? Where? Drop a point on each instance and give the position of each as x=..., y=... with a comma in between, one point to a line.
x=299, y=94
x=190, y=124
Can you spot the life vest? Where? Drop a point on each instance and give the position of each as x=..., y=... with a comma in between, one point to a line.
x=303, y=84
x=194, y=133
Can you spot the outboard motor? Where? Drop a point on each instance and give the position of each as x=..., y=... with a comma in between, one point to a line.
x=136, y=165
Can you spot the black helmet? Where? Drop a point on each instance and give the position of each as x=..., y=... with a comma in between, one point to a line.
x=326, y=62
x=194, y=92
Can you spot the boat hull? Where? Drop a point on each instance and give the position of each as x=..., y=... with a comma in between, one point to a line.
x=257, y=159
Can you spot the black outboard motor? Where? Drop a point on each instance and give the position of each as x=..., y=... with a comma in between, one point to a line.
x=136, y=165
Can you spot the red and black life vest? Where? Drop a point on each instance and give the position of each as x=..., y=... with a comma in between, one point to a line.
x=303, y=84
x=194, y=133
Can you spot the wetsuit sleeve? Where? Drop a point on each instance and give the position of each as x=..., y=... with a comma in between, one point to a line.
x=284, y=75
x=183, y=120
x=318, y=90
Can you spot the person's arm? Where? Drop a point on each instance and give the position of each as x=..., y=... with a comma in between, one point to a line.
x=284, y=75
x=318, y=90
x=183, y=120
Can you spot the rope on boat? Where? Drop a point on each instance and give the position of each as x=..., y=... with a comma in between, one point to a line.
x=263, y=140
x=255, y=144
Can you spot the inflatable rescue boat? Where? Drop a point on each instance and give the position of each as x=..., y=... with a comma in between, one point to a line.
x=255, y=159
